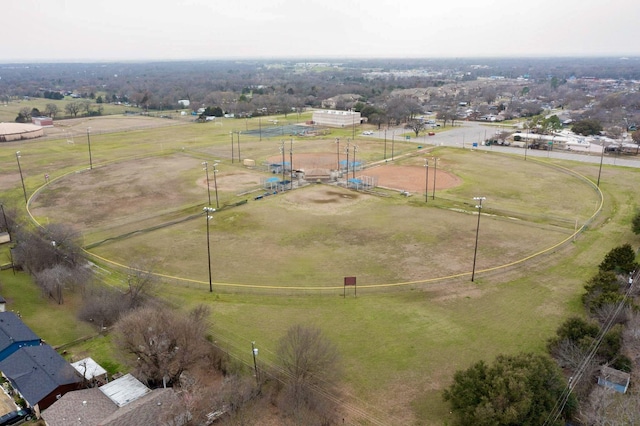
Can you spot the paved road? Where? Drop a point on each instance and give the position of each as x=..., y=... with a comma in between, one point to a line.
x=465, y=133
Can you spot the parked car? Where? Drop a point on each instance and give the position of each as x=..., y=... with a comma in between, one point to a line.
x=15, y=417
x=367, y=133
x=432, y=133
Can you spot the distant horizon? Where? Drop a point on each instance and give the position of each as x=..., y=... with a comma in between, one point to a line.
x=40, y=31
x=27, y=61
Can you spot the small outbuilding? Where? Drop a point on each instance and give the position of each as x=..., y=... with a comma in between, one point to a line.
x=42, y=121
x=91, y=371
x=614, y=379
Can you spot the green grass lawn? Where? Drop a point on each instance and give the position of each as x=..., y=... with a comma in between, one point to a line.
x=400, y=346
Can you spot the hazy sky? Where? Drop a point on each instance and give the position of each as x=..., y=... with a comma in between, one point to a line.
x=106, y=30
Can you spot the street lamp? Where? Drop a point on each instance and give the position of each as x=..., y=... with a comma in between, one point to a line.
x=346, y=150
x=215, y=182
x=393, y=141
x=89, y=144
x=291, y=165
x=338, y=152
x=232, y=154
x=24, y=190
x=355, y=149
x=4, y=218
x=426, y=180
x=239, y=157
x=283, y=169
x=254, y=352
x=385, y=143
x=435, y=172
x=600, y=169
x=206, y=171
x=475, y=250
x=208, y=217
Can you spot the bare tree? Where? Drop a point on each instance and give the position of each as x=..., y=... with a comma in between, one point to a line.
x=159, y=344
x=311, y=365
x=416, y=126
x=73, y=108
x=51, y=110
x=140, y=283
x=103, y=306
x=52, y=282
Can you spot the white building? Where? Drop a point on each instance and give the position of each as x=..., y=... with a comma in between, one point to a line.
x=332, y=118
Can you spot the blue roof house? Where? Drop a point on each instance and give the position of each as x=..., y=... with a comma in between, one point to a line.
x=14, y=334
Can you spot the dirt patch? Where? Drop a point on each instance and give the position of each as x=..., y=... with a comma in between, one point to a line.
x=310, y=161
x=231, y=182
x=411, y=178
x=323, y=200
x=401, y=178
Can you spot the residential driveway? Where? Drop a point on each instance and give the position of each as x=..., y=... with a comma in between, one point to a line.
x=6, y=403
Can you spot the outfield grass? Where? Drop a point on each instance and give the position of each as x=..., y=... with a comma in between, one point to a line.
x=9, y=112
x=400, y=347
x=54, y=323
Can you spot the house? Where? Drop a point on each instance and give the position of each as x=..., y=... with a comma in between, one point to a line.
x=124, y=401
x=83, y=407
x=14, y=334
x=614, y=379
x=39, y=375
x=343, y=100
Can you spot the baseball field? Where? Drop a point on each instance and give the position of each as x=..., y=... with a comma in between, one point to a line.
x=279, y=256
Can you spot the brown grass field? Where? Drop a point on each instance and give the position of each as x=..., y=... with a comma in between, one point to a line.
x=417, y=317
x=313, y=236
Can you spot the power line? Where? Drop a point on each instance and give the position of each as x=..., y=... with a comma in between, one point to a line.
x=582, y=367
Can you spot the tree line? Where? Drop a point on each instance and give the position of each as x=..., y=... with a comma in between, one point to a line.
x=557, y=387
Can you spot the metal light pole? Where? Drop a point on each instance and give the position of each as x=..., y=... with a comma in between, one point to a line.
x=435, y=172
x=346, y=149
x=4, y=218
x=338, y=153
x=600, y=169
x=475, y=251
x=208, y=217
x=355, y=149
x=353, y=125
x=239, y=157
x=291, y=164
x=385, y=143
x=215, y=182
x=282, y=152
x=393, y=141
x=24, y=190
x=426, y=180
x=206, y=171
x=232, y=154
x=89, y=144
x=254, y=352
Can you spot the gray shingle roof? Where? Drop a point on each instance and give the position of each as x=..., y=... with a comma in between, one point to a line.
x=37, y=371
x=13, y=330
x=84, y=407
